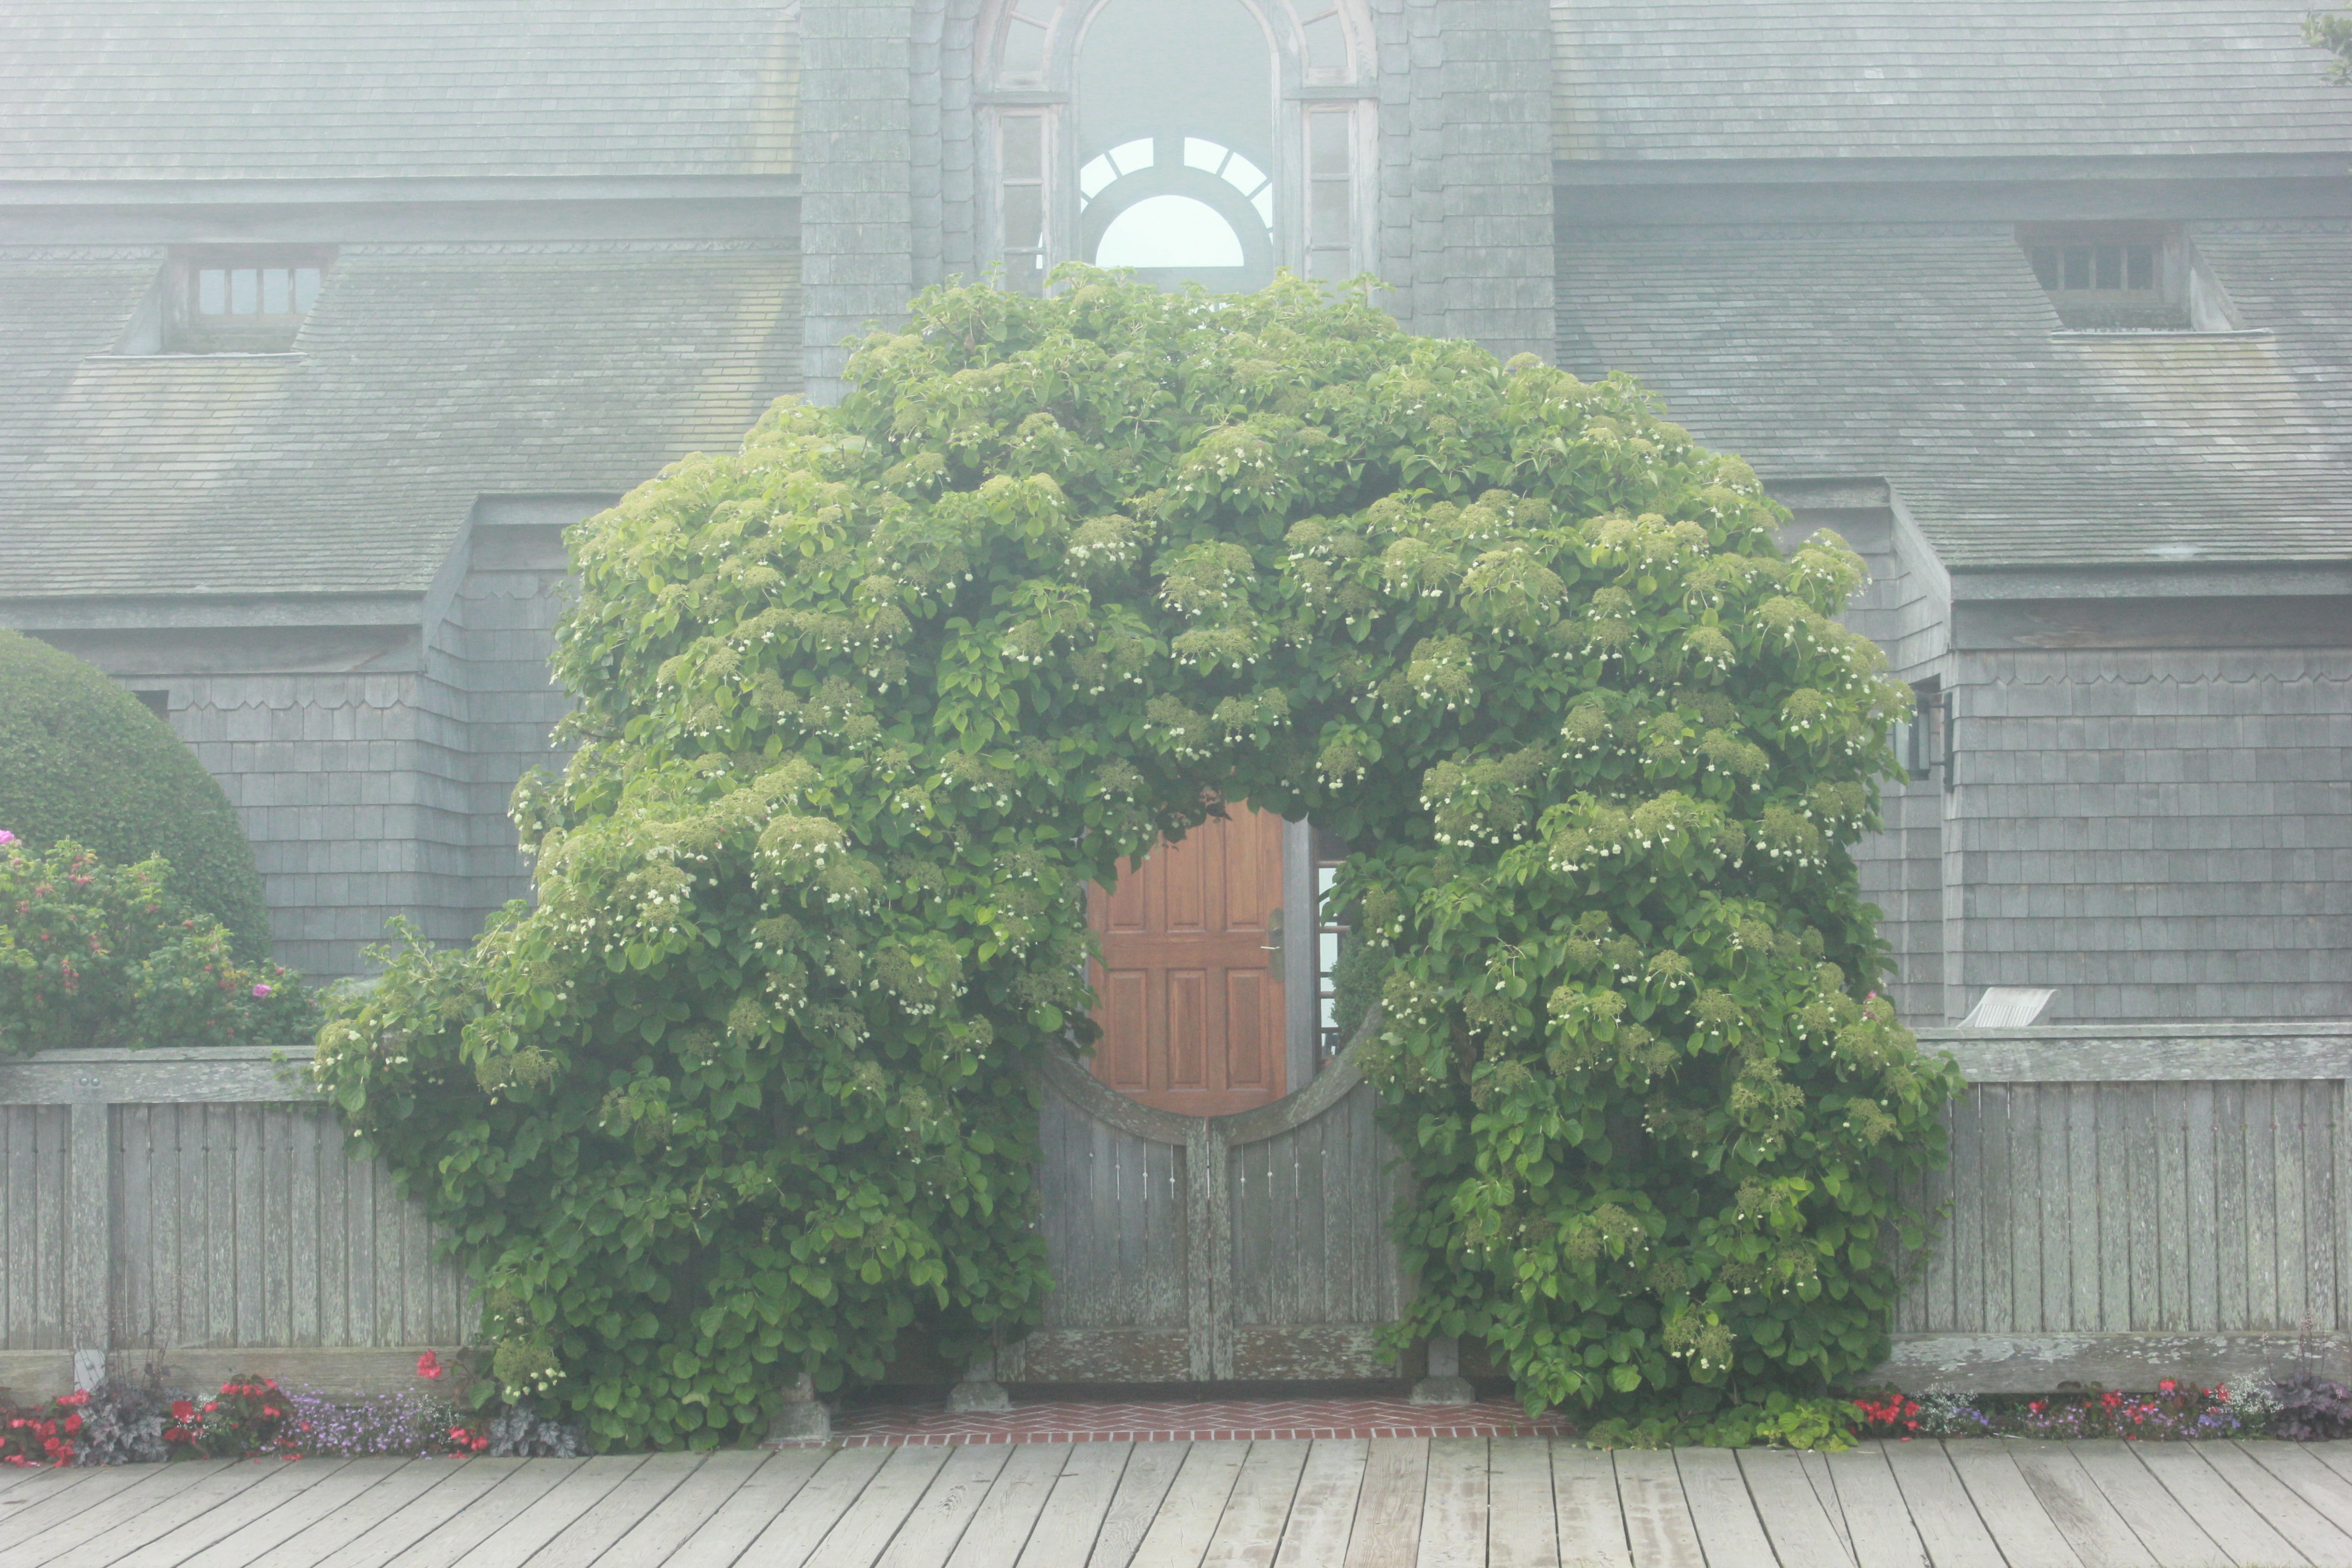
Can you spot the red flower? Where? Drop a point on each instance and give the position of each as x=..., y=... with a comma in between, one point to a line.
x=73, y=1423
x=428, y=1365
x=2167, y=1385
x=182, y=1410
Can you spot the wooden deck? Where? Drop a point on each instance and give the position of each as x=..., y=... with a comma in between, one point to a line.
x=1383, y=1503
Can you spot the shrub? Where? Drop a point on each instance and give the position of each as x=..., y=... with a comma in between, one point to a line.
x=862, y=708
x=251, y=1418
x=45, y=1434
x=82, y=759
x=2310, y=1409
x=94, y=954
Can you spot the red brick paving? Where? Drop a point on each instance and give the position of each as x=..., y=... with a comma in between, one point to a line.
x=1209, y=1421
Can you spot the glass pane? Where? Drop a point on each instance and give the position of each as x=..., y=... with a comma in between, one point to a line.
x=1244, y=176
x=1327, y=219
x=1264, y=202
x=1024, y=217
x=1130, y=156
x=306, y=287
x=1098, y=174
x=1024, y=147
x=277, y=290
x=1326, y=45
x=244, y=291
x=212, y=292
x=2111, y=266
x=2143, y=267
x=1170, y=231
x=1203, y=155
x=1326, y=145
x=1024, y=46
x=2078, y=267
x=2045, y=265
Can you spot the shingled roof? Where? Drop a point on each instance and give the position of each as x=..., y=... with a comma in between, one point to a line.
x=1816, y=78
x=425, y=375
x=287, y=89
x=1927, y=355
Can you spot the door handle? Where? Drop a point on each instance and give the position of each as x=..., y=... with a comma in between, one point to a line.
x=1272, y=946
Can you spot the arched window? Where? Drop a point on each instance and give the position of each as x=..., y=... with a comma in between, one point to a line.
x=1208, y=139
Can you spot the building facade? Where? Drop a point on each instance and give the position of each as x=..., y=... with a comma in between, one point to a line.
x=319, y=323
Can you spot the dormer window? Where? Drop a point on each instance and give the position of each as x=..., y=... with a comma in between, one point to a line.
x=2123, y=277
x=241, y=299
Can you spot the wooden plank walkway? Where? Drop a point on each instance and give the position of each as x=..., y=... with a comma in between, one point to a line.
x=1448, y=1502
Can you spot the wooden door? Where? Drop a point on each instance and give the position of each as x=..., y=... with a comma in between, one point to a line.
x=1190, y=985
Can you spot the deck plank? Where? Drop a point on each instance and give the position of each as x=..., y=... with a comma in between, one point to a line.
x=586, y=1539
x=351, y=1480
x=791, y=1537
x=2099, y=1534
x=2020, y=1524
x=1250, y=1534
x=1150, y=1470
x=1066, y=1531
x=1729, y=1531
x=1196, y=1502
x=102, y=1495
x=135, y=1517
x=1001, y=1521
x=1323, y=1515
x=284, y=1484
x=656, y=1535
x=557, y=1510
x=2315, y=1483
x=939, y=1520
x=1816, y=1467
x=483, y=1517
x=1659, y=1532
x=2171, y=1536
x=749, y=1509
x=2228, y=1520
x=1799, y=1527
x=1387, y=1532
x=1585, y=1501
x=1453, y=1511
x=1522, y=1528
x=1950, y=1530
x=2305, y=1528
x=1877, y=1519
x=882, y=1509
x=376, y=1526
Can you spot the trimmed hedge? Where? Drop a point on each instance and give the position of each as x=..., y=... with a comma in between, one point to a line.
x=82, y=759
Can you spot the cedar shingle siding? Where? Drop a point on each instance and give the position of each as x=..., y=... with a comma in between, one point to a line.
x=573, y=244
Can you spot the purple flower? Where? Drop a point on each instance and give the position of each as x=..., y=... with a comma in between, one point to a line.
x=6, y=837
x=261, y=990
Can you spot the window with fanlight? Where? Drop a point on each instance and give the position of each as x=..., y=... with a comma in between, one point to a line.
x=1210, y=140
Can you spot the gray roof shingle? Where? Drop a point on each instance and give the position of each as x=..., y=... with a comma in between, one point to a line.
x=425, y=375
x=1816, y=78
x=1927, y=355
x=287, y=89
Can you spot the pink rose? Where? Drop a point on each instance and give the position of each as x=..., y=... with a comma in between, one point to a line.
x=261, y=990
x=6, y=837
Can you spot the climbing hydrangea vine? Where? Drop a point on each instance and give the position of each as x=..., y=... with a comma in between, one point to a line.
x=863, y=707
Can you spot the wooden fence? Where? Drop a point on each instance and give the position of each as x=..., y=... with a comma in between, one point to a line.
x=2121, y=1204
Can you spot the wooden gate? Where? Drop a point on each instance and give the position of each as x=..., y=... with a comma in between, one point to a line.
x=1191, y=1249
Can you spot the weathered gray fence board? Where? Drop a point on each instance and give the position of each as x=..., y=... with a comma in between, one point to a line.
x=2119, y=1206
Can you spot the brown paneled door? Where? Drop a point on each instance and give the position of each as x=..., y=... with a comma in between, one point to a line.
x=1190, y=983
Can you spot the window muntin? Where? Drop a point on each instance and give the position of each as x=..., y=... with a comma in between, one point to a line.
x=1022, y=205
x=2123, y=277
x=241, y=299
